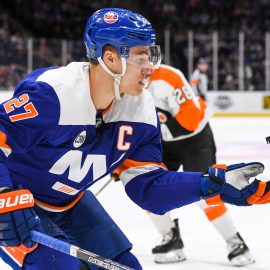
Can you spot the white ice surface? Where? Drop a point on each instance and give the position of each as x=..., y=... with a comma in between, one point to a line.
x=238, y=140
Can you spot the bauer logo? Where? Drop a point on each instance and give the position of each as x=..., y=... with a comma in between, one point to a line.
x=79, y=139
x=223, y=102
x=17, y=200
x=110, y=17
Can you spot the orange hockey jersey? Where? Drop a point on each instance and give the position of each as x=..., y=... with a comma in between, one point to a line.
x=184, y=113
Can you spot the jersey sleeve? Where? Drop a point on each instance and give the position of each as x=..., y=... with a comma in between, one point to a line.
x=28, y=118
x=175, y=98
x=151, y=186
x=190, y=111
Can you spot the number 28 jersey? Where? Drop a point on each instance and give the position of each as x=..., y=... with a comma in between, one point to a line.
x=184, y=113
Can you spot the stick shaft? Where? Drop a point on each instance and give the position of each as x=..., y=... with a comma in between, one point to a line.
x=77, y=252
x=105, y=185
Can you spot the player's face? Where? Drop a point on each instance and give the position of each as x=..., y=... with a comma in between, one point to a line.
x=138, y=71
x=203, y=67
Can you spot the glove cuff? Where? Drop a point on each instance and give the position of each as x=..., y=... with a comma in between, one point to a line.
x=217, y=174
x=204, y=189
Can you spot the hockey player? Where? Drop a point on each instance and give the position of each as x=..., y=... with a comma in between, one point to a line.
x=199, y=79
x=53, y=149
x=188, y=141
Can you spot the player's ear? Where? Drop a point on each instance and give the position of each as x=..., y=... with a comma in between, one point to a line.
x=111, y=58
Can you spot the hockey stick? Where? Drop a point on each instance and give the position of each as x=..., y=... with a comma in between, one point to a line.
x=76, y=252
x=104, y=185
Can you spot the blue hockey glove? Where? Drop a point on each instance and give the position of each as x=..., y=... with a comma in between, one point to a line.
x=17, y=218
x=231, y=184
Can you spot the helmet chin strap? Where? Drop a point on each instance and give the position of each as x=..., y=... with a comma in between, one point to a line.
x=117, y=77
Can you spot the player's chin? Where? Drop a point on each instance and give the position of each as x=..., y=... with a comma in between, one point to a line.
x=136, y=91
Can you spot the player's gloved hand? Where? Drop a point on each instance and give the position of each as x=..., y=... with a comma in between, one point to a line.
x=17, y=218
x=231, y=184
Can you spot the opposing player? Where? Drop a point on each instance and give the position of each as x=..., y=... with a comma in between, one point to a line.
x=188, y=140
x=53, y=149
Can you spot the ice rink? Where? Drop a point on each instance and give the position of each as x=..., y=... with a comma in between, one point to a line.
x=238, y=140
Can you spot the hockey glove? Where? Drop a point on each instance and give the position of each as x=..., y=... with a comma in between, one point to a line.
x=231, y=184
x=17, y=218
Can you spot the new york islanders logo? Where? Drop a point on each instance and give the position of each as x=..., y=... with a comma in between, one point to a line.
x=110, y=17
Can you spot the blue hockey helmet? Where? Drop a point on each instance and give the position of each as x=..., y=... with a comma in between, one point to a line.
x=120, y=28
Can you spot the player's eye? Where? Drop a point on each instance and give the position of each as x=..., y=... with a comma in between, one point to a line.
x=141, y=61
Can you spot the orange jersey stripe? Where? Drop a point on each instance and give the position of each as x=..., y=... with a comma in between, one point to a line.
x=66, y=189
x=53, y=208
x=214, y=212
x=129, y=163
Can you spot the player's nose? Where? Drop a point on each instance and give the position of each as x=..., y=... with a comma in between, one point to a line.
x=147, y=71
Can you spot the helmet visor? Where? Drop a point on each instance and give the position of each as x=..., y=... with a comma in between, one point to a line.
x=145, y=56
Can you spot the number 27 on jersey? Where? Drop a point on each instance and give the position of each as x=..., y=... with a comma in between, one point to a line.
x=23, y=100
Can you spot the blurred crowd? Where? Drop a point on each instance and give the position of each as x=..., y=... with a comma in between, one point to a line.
x=57, y=28
x=228, y=18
